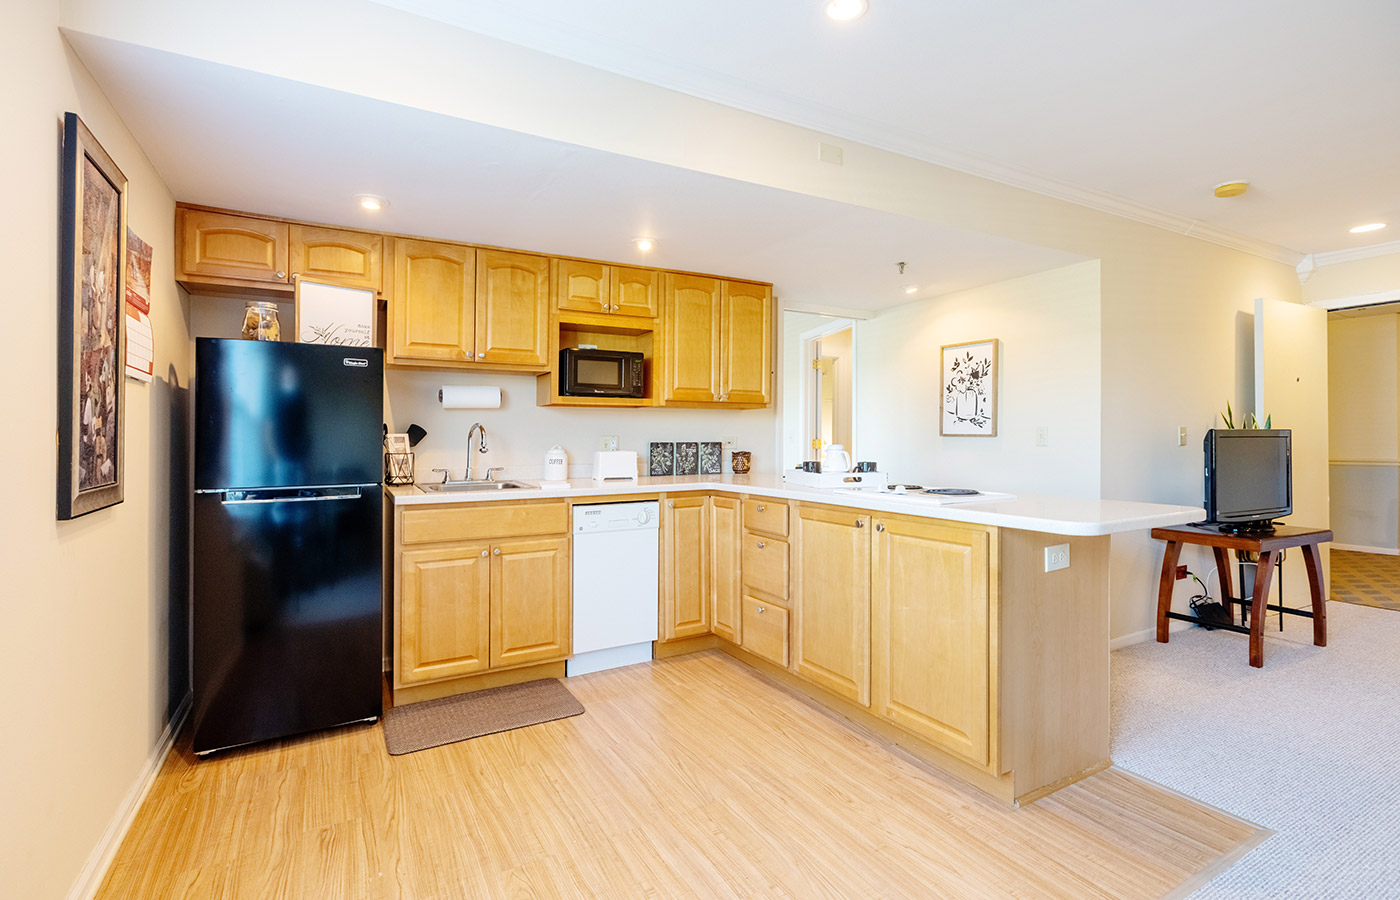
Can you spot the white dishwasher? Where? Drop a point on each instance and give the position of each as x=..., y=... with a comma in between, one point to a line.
x=616, y=571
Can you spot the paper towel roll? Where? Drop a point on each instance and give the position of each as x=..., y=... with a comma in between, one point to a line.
x=469, y=396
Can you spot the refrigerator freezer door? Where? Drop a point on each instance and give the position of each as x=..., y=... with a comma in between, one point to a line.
x=270, y=414
x=286, y=626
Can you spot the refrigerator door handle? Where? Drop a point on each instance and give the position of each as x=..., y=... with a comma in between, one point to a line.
x=232, y=498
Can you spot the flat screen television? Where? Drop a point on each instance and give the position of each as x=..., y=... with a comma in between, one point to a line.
x=1249, y=477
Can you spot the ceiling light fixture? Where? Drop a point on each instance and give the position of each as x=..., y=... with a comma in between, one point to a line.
x=1362, y=229
x=846, y=10
x=644, y=244
x=371, y=202
x=911, y=289
x=1231, y=188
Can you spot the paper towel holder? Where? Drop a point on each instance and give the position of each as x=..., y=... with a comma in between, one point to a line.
x=470, y=397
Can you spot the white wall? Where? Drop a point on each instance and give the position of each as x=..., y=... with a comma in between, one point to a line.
x=1363, y=359
x=1048, y=325
x=93, y=651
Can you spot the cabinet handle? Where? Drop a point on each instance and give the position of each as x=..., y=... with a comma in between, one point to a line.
x=761, y=507
x=879, y=528
x=761, y=545
x=860, y=523
x=496, y=552
x=483, y=553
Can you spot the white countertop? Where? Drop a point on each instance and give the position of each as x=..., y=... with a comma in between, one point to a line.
x=1035, y=512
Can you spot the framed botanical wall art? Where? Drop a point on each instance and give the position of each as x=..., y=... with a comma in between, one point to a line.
x=91, y=325
x=968, y=400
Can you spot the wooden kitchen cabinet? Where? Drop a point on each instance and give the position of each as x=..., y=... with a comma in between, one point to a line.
x=444, y=612
x=530, y=610
x=352, y=259
x=685, y=603
x=718, y=338
x=512, y=309
x=432, y=310
x=831, y=600
x=223, y=247
x=931, y=647
x=724, y=538
x=589, y=287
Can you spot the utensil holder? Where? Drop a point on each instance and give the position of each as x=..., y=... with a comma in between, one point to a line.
x=398, y=468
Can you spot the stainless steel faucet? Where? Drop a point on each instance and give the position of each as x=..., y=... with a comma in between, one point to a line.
x=482, y=448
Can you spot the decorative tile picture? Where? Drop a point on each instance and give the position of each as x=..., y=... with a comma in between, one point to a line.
x=662, y=458
x=711, y=458
x=687, y=458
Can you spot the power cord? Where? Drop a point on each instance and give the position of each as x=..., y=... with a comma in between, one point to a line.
x=1209, y=614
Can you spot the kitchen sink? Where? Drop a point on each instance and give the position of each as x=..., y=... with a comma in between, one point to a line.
x=461, y=487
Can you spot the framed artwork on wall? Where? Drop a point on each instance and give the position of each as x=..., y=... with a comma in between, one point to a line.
x=329, y=314
x=91, y=325
x=968, y=400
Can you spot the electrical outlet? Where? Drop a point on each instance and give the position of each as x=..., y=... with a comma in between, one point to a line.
x=731, y=443
x=1181, y=436
x=1180, y=573
x=1042, y=435
x=608, y=442
x=1057, y=557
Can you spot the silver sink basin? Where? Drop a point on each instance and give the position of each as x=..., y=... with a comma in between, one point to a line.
x=462, y=487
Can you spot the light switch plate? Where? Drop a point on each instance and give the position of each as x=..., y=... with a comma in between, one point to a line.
x=1057, y=557
x=608, y=442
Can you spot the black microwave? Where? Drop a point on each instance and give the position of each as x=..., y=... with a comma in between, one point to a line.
x=600, y=373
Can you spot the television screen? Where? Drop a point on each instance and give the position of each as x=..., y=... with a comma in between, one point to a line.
x=1248, y=475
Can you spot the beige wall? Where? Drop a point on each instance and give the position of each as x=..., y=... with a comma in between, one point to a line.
x=89, y=605
x=1363, y=358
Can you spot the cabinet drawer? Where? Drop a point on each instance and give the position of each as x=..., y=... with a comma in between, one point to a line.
x=764, y=564
x=769, y=516
x=473, y=522
x=765, y=630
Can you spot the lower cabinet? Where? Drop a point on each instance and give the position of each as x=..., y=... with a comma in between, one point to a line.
x=932, y=655
x=724, y=568
x=464, y=607
x=831, y=600
x=765, y=630
x=685, y=599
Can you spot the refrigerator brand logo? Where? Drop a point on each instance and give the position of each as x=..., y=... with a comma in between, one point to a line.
x=357, y=363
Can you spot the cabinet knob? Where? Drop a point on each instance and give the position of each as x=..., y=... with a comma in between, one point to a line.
x=469, y=354
x=761, y=608
x=483, y=553
x=496, y=552
x=761, y=545
x=879, y=528
x=671, y=503
x=281, y=274
x=860, y=523
x=761, y=507
x=481, y=356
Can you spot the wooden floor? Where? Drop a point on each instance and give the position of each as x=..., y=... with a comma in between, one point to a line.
x=1370, y=579
x=692, y=777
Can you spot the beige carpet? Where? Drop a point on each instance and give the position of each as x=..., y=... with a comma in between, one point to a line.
x=432, y=723
x=1307, y=746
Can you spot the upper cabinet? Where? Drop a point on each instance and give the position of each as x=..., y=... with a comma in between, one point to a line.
x=719, y=336
x=432, y=316
x=512, y=308
x=332, y=255
x=218, y=246
x=590, y=287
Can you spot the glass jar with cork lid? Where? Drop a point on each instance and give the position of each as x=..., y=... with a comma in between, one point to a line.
x=260, y=322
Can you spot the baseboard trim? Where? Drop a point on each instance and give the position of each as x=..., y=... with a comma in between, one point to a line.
x=100, y=859
x=1359, y=548
x=1147, y=634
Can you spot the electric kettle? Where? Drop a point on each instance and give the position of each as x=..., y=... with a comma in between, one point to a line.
x=837, y=459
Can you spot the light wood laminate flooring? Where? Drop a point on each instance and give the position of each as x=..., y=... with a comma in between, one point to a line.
x=690, y=777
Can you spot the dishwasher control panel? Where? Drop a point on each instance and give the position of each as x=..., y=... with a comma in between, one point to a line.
x=603, y=517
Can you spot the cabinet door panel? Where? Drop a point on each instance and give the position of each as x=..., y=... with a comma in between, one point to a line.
x=530, y=609
x=724, y=566
x=765, y=563
x=831, y=601
x=746, y=339
x=685, y=606
x=444, y=623
x=581, y=286
x=347, y=258
x=765, y=630
x=691, y=364
x=220, y=245
x=635, y=292
x=512, y=308
x=932, y=655
x=432, y=307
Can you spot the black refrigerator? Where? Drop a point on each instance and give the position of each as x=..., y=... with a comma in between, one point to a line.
x=286, y=615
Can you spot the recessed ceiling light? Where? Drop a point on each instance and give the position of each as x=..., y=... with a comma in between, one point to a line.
x=846, y=10
x=1231, y=188
x=371, y=202
x=644, y=244
x=1374, y=226
x=911, y=289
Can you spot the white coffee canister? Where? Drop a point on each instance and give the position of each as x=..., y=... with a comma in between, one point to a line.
x=556, y=464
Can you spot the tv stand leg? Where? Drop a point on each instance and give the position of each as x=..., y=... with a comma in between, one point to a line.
x=1312, y=557
x=1164, y=589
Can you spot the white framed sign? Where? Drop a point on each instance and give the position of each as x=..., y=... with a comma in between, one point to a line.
x=329, y=314
x=968, y=402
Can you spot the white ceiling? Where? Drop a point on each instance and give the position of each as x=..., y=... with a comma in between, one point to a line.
x=232, y=138
x=1138, y=107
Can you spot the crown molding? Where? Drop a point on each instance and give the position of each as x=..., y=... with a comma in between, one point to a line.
x=1332, y=257
x=1359, y=300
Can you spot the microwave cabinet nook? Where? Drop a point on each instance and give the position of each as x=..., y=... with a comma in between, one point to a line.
x=705, y=341
x=946, y=637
